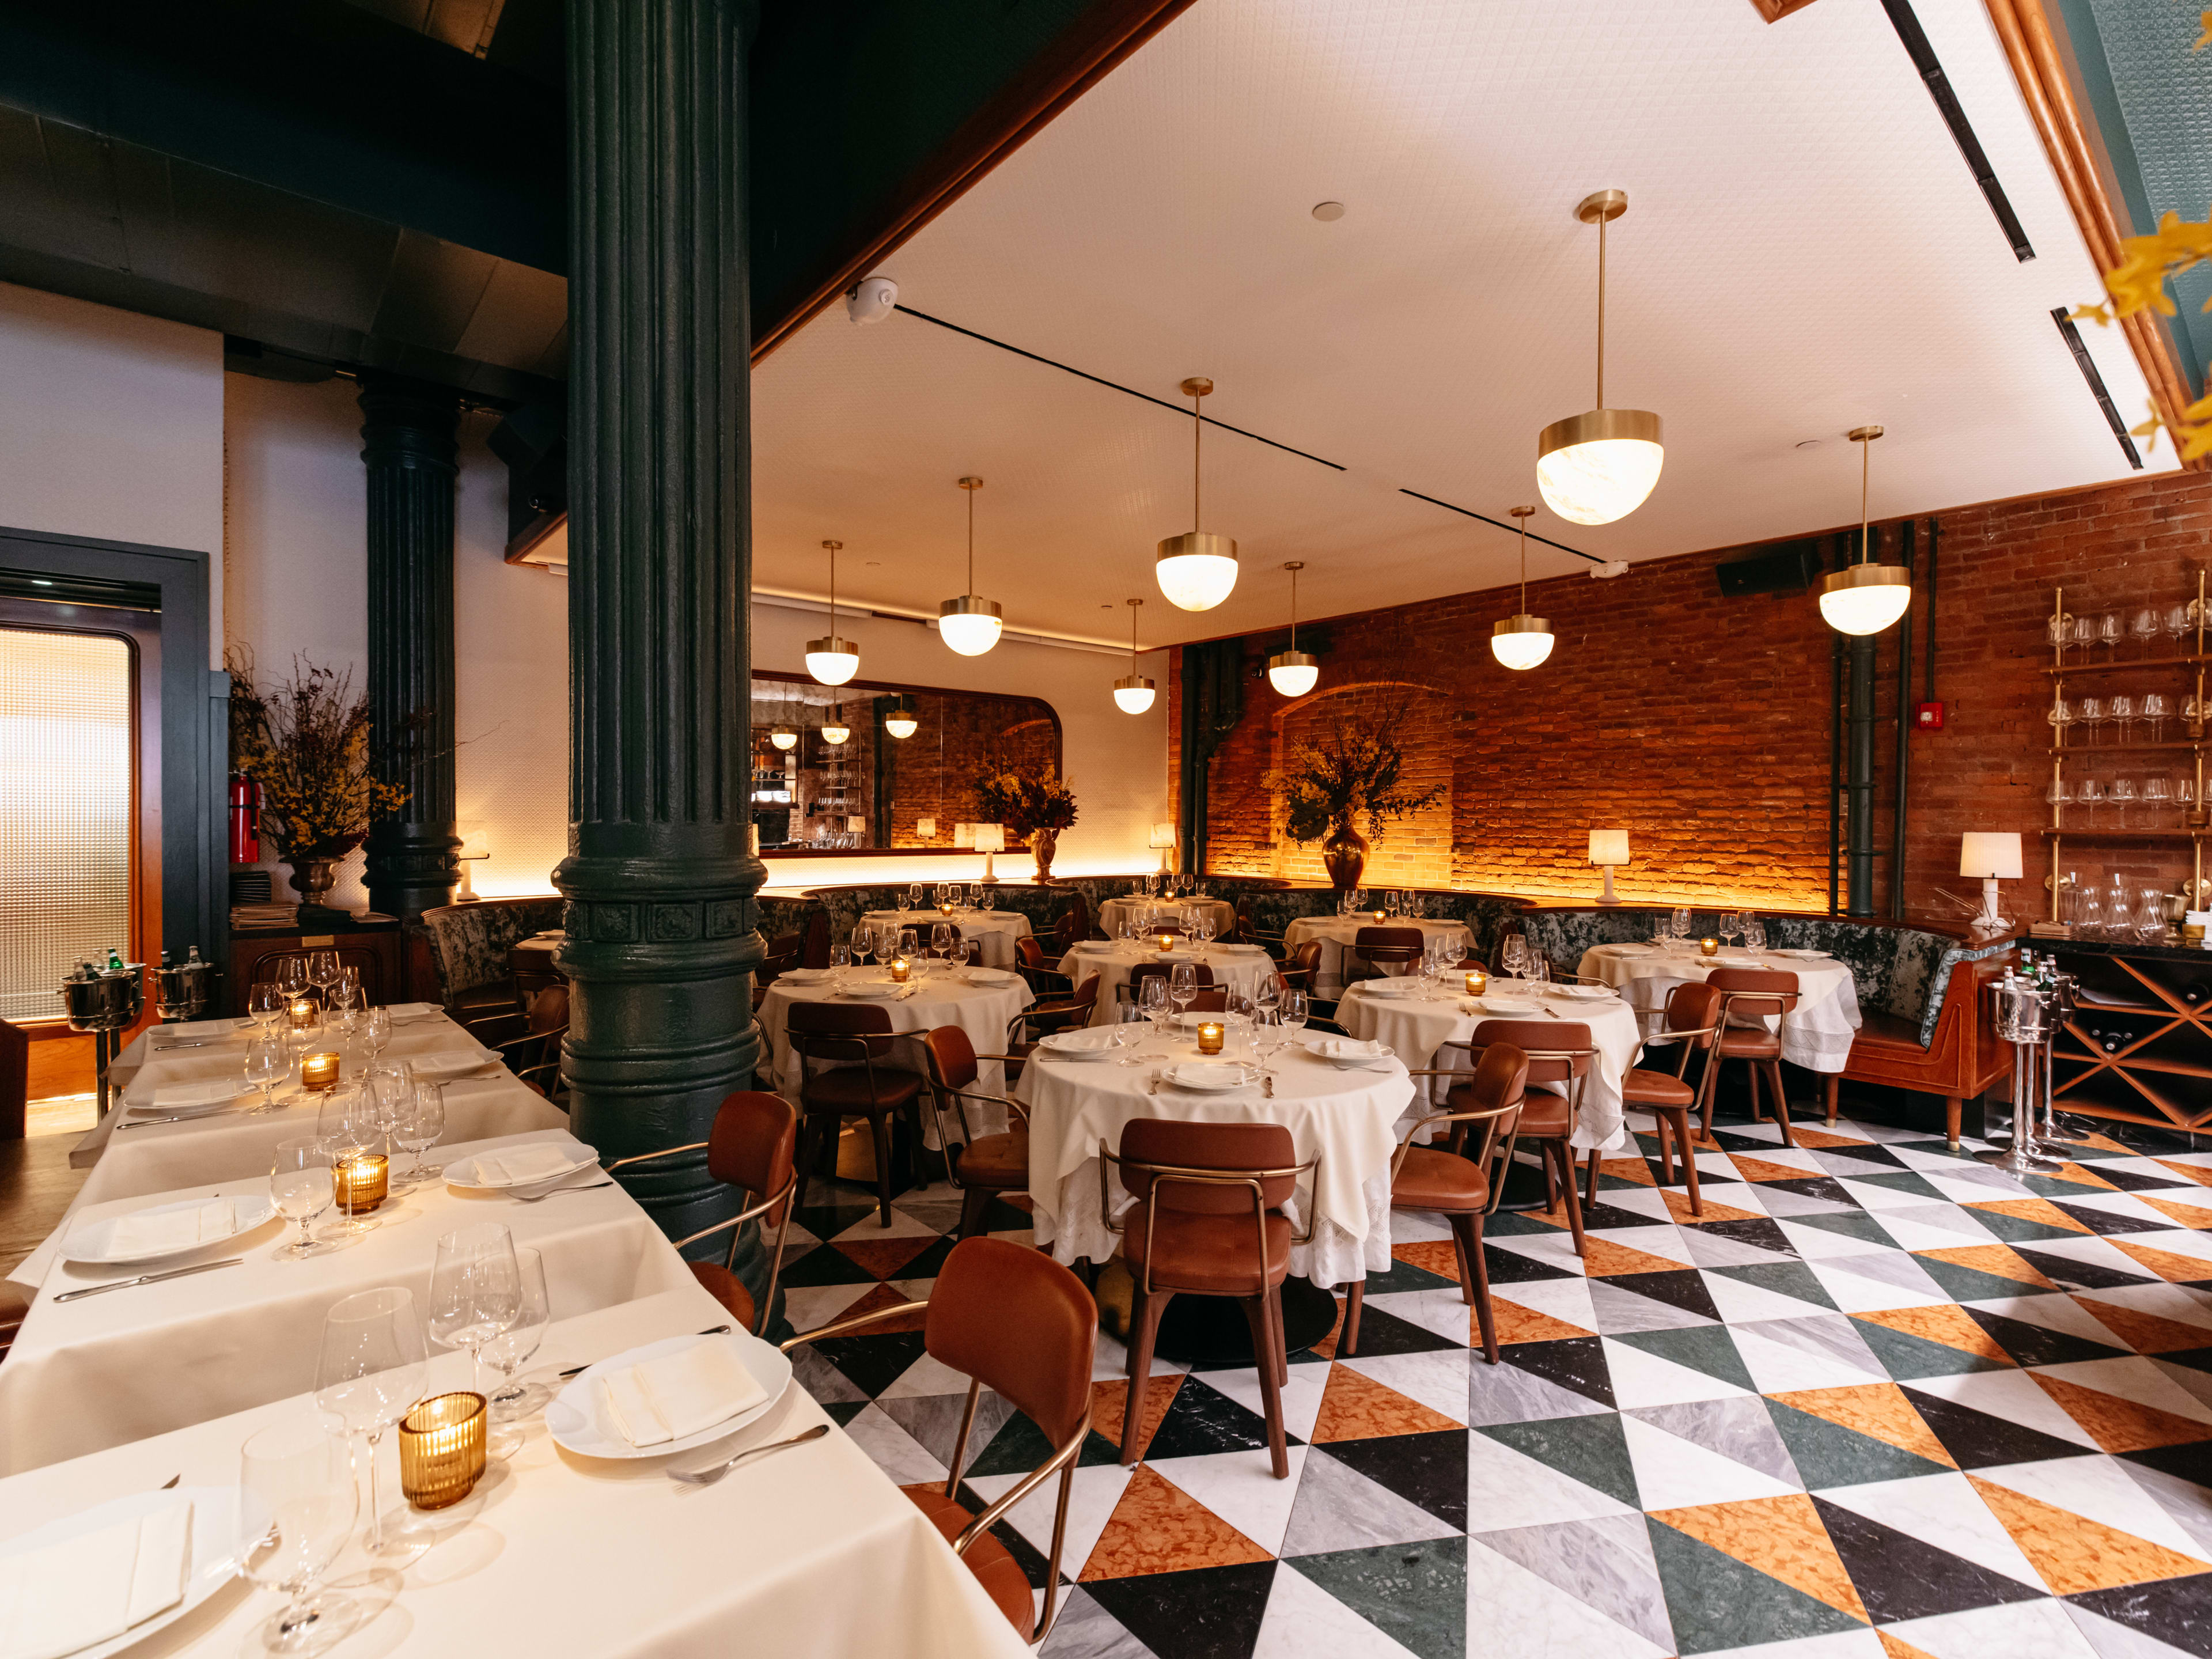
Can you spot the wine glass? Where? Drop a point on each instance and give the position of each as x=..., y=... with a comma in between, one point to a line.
x=2121, y=794
x=2108, y=630
x=2185, y=795
x=940, y=940
x=1514, y=955
x=2059, y=628
x=292, y=977
x=268, y=1062
x=2061, y=715
x=840, y=964
x=1680, y=921
x=376, y=1030
x=1183, y=986
x=2143, y=627
x=302, y=1186
x=987, y=899
x=507, y=1352
x=910, y=899
x=389, y=1087
x=1153, y=999
x=1130, y=1019
x=323, y=973
x=863, y=945
x=2060, y=792
x=296, y=1506
x=2177, y=624
x=2157, y=798
x=2093, y=716
x=420, y=1129
x=2156, y=707
x=1290, y=1013
x=368, y=1376
x=909, y=941
x=265, y=1002
x=2090, y=793
x=476, y=1289
x=1266, y=995
x=2122, y=710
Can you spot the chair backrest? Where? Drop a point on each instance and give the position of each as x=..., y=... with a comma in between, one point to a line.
x=838, y=1031
x=1388, y=944
x=1021, y=1324
x=1693, y=1006
x=548, y=1011
x=1152, y=1144
x=1074, y=921
x=1028, y=953
x=1501, y=1075
x=1760, y=991
x=1558, y=1050
x=753, y=1142
x=951, y=1056
x=1145, y=970
x=1306, y=960
x=1086, y=996
x=1210, y=1000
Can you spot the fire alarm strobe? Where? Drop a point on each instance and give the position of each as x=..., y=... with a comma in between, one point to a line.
x=1927, y=717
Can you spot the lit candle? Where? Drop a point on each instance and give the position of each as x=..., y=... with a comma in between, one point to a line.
x=358, y=1182
x=1380, y=914
x=900, y=968
x=1477, y=982
x=1167, y=941
x=319, y=1071
x=303, y=1014
x=441, y=1450
x=1209, y=1037
x=1709, y=947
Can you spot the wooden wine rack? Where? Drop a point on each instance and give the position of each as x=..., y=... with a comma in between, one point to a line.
x=2161, y=1071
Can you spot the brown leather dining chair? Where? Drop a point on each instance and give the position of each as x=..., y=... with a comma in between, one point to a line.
x=750, y=1147
x=1692, y=1023
x=1378, y=950
x=988, y=1164
x=1018, y=1322
x=1442, y=1182
x=535, y=1056
x=1559, y=1052
x=855, y=1044
x=1208, y=1220
x=1300, y=967
x=1040, y=1019
x=1029, y=962
x=1753, y=995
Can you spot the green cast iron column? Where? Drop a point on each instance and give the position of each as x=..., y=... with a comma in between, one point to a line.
x=407, y=436
x=659, y=878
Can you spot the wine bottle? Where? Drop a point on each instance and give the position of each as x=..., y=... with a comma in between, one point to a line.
x=114, y=962
x=2193, y=992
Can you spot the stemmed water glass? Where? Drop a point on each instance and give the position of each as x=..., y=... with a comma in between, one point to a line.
x=292, y=977
x=986, y=899
x=2157, y=798
x=268, y=1062
x=1182, y=987
x=297, y=1503
x=940, y=940
x=301, y=1188
x=476, y=1289
x=1154, y=999
x=840, y=964
x=1290, y=1013
x=2093, y=716
x=420, y=1127
x=863, y=945
x=511, y=1350
x=1513, y=954
x=2143, y=627
x=2061, y=715
x=368, y=1376
x=376, y=1030
x=2108, y=630
x=2122, y=709
x=1128, y=1028
x=323, y=973
x=2121, y=794
x=2156, y=707
x=1678, y=922
x=2185, y=795
x=2059, y=792
x=265, y=1002
x=2090, y=793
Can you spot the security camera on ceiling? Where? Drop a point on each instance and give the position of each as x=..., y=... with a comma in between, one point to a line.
x=871, y=299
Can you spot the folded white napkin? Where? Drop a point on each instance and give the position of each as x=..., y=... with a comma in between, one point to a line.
x=661, y=1400
x=68, y=1594
x=201, y=1091
x=413, y=1009
x=1347, y=1048
x=202, y=1027
x=155, y=1233
x=1102, y=1038
x=453, y=1064
x=520, y=1165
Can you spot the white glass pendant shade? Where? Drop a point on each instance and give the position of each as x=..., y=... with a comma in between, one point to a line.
x=1293, y=673
x=1596, y=467
x=968, y=625
x=835, y=732
x=1133, y=693
x=901, y=725
x=1865, y=598
x=1522, y=642
x=783, y=739
x=1196, y=570
x=831, y=660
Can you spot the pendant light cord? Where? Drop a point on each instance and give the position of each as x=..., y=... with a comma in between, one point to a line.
x=971, y=543
x=1866, y=461
x=1197, y=439
x=1294, y=608
x=1524, y=564
x=1600, y=332
x=833, y=547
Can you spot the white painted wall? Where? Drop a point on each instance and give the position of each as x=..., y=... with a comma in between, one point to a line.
x=111, y=426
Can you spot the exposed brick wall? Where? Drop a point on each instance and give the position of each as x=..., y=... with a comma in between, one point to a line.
x=1701, y=725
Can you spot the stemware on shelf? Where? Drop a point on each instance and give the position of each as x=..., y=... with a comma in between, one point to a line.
x=2060, y=714
x=2121, y=794
x=2090, y=792
x=2178, y=624
x=2157, y=800
x=2108, y=630
x=2092, y=715
x=2143, y=628
x=2085, y=631
x=296, y=1506
x=368, y=1375
x=2123, y=711
x=2157, y=708
x=476, y=1289
x=2060, y=792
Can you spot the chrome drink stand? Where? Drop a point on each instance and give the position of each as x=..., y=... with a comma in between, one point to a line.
x=2028, y=1017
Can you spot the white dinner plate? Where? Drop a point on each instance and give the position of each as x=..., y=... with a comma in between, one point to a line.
x=200, y=1097
x=875, y=989
x=445, y=1066
x=195, y=1031
x=1374, y=1060
x=1583, y=993
x=1208, y=1076
x=1386, y=989
x=462, y=1172
x=577, y=1417
x=1801, y=956
x=214, y=1551
x=1507, y=1008
x=1078, y=1045
x=93, y=1245
x=991, y=976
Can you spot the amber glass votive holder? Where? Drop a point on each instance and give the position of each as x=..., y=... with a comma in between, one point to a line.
x=441, y=1450
x=1209, y=1037
x=1167, y=941
x=301, y=1013
x=359, y=1180
x=1709, y=947
x=1477, y=982
x=318, y=1071
x=901, y=967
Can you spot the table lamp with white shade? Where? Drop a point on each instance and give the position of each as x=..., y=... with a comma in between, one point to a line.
x=926, y=828
x=472, y=851
x=1608, y=848
x=990, y=838
x=1163, y=840
x=1994, y=856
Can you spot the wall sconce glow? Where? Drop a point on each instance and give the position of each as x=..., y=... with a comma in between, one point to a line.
x=1598, y=466
x=1293, y=672
x=969, y=624
x=831, y=659
x=1132, y=692
x=1522, y=642
x=1865, y=597
x=1197, y=569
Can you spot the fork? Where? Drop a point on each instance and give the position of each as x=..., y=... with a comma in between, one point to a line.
x=539, y=1198
x=710, y=1475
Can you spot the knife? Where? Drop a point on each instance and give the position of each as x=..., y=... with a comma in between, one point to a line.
x=151, y=1279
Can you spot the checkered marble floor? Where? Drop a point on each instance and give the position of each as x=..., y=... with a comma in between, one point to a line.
x=1882, y=1402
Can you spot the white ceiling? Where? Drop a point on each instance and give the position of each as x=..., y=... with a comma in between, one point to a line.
x=1804, y=251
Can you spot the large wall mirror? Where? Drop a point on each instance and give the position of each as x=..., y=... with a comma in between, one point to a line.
x=902, y=775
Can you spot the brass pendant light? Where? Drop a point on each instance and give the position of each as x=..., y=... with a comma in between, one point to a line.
x=1197, y=569
x=969, y=624
x=1865, y=597
x=833, y=729
x=831, y=659
x=1293, y=672
x=1522, y=640
x=899, y=719
x=1132, y=692
x=1598, y=466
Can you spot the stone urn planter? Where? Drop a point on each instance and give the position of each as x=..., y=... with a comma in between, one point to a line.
x=1344, y=853
x=1043, y=843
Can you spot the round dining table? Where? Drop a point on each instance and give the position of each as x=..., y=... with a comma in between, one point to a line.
x=1815, y=1035
x=1137, y=908
x=979, y=1002
x=1337, y=934
x=1242, y=968
x=1417, y=1026
x=995, y=930
x=1348, y=1117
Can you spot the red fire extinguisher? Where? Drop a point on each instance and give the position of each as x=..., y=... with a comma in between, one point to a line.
x=244, y=819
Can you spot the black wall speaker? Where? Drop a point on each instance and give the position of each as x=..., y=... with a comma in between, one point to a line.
x=1777, y=568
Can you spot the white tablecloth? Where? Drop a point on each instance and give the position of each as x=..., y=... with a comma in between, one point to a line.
x=1352, y=1118
x=1418, y=1028
x=1137, y=908
x=594, y=1560
x=939, y=999
x=1241, y=968
x=996, y=930
x=1336, y=934
x=1817, y=1034
x=110, y=1369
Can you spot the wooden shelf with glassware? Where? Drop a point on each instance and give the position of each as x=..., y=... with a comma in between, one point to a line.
x=2184, y=623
